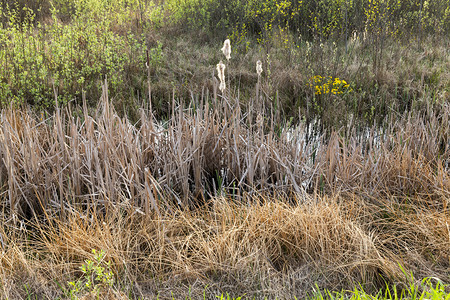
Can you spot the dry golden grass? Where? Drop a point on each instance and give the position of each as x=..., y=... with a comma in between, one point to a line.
x=271, y=248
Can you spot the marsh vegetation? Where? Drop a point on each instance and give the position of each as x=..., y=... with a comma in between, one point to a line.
x=314, y=155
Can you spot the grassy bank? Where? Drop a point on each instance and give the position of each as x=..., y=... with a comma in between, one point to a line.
x=272, y=216
x=268, y=250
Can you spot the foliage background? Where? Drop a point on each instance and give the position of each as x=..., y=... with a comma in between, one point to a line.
x=71, y=46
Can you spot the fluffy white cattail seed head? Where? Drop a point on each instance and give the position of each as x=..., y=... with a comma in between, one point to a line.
x=226, y=49
x=259, y=68
x=222, y=86
x=221, y=74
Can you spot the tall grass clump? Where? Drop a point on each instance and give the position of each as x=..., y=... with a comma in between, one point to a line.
x=283, y=246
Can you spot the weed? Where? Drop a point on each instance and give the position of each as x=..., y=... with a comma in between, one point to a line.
x=97, y=276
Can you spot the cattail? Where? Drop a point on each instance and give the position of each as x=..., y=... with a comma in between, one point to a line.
x=226, y=49
x=221, y=74
x=259, y=68
x=222, y=86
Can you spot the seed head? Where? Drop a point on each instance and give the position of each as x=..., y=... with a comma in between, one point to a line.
x=259, y=68
x=222, y=86
x=221, y=74
x=226, y=49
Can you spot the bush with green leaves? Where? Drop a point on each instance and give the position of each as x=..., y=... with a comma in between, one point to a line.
x=97, y=275
x=322, y=19
x=41, y=58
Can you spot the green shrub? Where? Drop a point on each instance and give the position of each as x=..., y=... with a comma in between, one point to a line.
x=323, y=18
x=72, y=58
x=97, y=275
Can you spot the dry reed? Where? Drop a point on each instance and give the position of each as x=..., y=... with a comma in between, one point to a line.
x=98, y=161
x=263, y=222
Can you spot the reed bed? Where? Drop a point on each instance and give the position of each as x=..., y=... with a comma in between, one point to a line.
x=209, y=148
x=221, y=196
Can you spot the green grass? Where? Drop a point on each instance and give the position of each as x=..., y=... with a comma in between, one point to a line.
x=428, y=288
